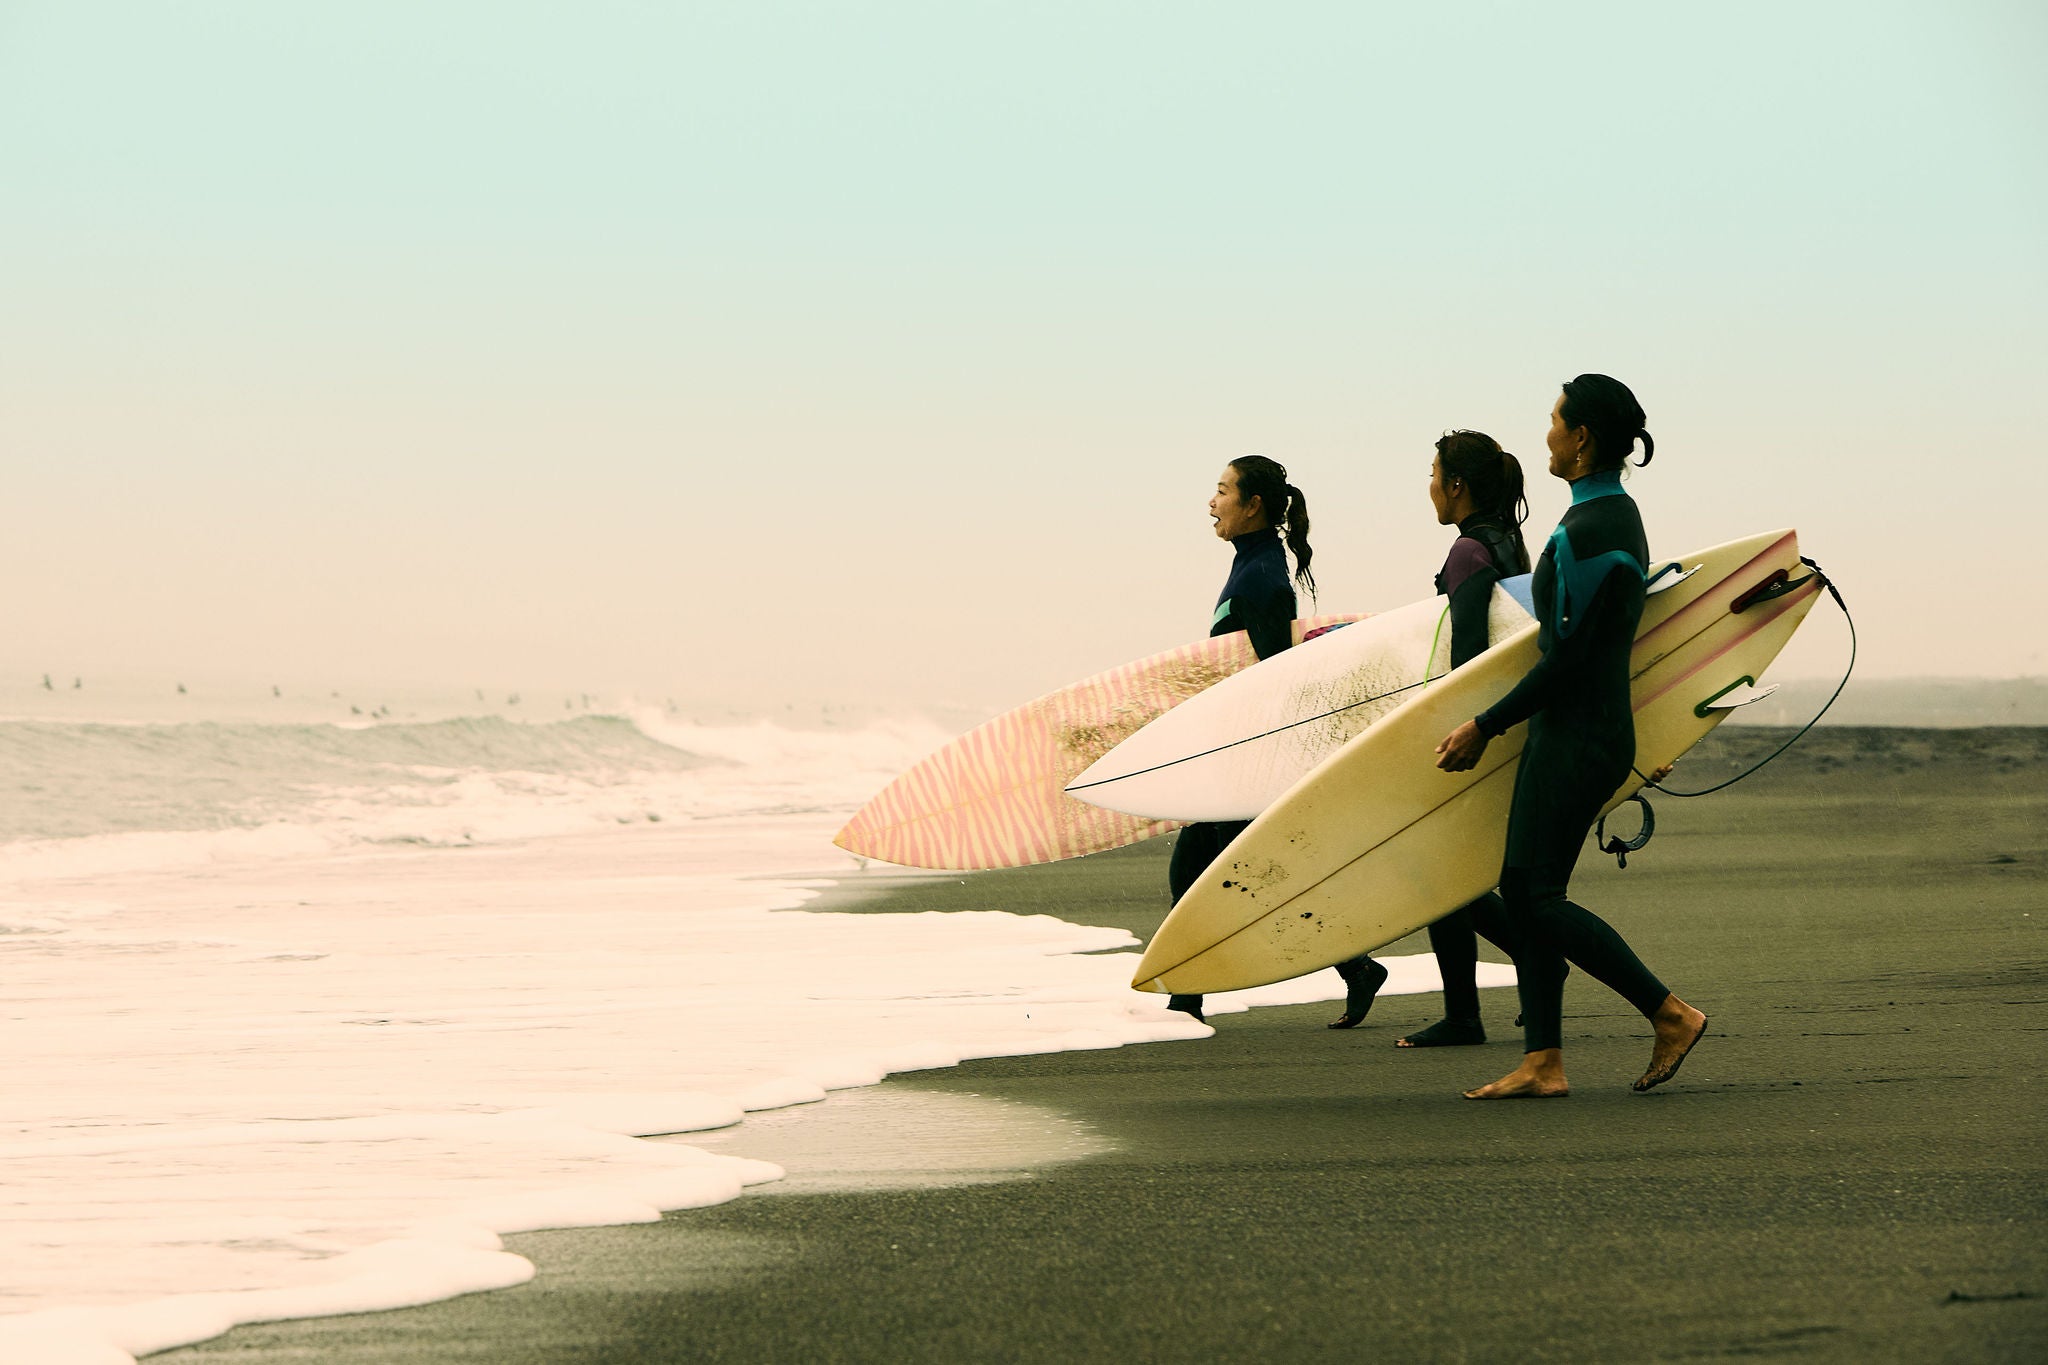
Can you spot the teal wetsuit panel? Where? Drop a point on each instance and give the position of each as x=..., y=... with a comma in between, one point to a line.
x=1578, y=579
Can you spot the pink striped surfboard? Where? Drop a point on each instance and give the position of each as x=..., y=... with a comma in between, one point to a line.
x=993, y=798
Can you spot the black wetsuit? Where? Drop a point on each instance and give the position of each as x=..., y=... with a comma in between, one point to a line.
x=1485, y=552
x=1588, y=591
x=1257, y=598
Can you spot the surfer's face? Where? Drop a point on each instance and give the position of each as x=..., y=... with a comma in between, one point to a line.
x=1233, y=516
x=1568, y=455
x=1440, y=495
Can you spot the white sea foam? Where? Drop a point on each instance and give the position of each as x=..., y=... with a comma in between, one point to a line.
x=321, y=1064
x=97, y=799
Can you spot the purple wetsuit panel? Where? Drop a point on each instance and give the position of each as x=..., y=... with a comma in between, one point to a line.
x=1467, y=557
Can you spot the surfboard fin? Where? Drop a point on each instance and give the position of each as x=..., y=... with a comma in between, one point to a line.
x=1744, y=693
x=1669, y=576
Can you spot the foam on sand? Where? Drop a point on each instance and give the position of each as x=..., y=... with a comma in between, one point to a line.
x=327, y=1081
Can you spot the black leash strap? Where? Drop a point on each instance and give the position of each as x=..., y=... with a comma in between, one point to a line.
x=1620, y=847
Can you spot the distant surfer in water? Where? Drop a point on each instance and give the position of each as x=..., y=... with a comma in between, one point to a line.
x=1477, y=487
x=1253, y=502
x=1588, y=590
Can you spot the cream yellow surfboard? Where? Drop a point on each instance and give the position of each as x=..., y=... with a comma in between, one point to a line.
x=1377, y=841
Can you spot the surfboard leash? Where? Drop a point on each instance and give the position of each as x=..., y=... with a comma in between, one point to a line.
x=1618, y=846
x=1834, y=592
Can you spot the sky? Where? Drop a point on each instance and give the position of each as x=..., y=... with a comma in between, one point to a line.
x=888, y=353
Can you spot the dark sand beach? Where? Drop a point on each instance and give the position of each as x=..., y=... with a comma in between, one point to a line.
x=1849, y=1168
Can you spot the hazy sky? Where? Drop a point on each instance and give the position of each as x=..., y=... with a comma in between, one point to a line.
x=888, y=352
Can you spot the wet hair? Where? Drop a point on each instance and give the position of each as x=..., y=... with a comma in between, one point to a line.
x=1284, y=506
x=1610, y=413
x=1493, y=475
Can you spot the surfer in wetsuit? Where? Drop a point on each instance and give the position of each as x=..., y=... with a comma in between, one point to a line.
x=1477, y=487
x=1588, y=590
x=1258, y=598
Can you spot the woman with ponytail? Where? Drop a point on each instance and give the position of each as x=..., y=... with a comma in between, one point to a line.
x=1588, y=590
x=1253, y=505
x=1477, y=487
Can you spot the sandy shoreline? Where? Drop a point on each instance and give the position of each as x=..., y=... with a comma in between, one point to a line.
x=1848, y=1169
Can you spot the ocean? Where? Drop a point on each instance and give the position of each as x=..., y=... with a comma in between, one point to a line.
x=305, y=1013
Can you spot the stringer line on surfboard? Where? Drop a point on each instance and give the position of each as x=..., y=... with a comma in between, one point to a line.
x=1252, y=739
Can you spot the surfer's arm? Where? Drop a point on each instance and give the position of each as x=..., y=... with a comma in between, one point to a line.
x=1560, y=667
x=1470, y=602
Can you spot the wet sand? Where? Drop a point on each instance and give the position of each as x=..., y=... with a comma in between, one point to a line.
x=1849, y=1168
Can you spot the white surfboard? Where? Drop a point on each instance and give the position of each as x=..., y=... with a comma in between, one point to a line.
x=1229, y=752
x=1377, y=841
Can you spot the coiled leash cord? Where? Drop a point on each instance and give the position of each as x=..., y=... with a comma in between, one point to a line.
x=1777, y=586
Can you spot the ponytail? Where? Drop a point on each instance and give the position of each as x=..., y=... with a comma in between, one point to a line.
x=1284, y=505
x=1297, y=538
x=1512, y=504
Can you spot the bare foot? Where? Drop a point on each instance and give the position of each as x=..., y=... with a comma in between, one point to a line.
x=1446, y=1033
x=1679, y=1027
x=1539, y=1077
